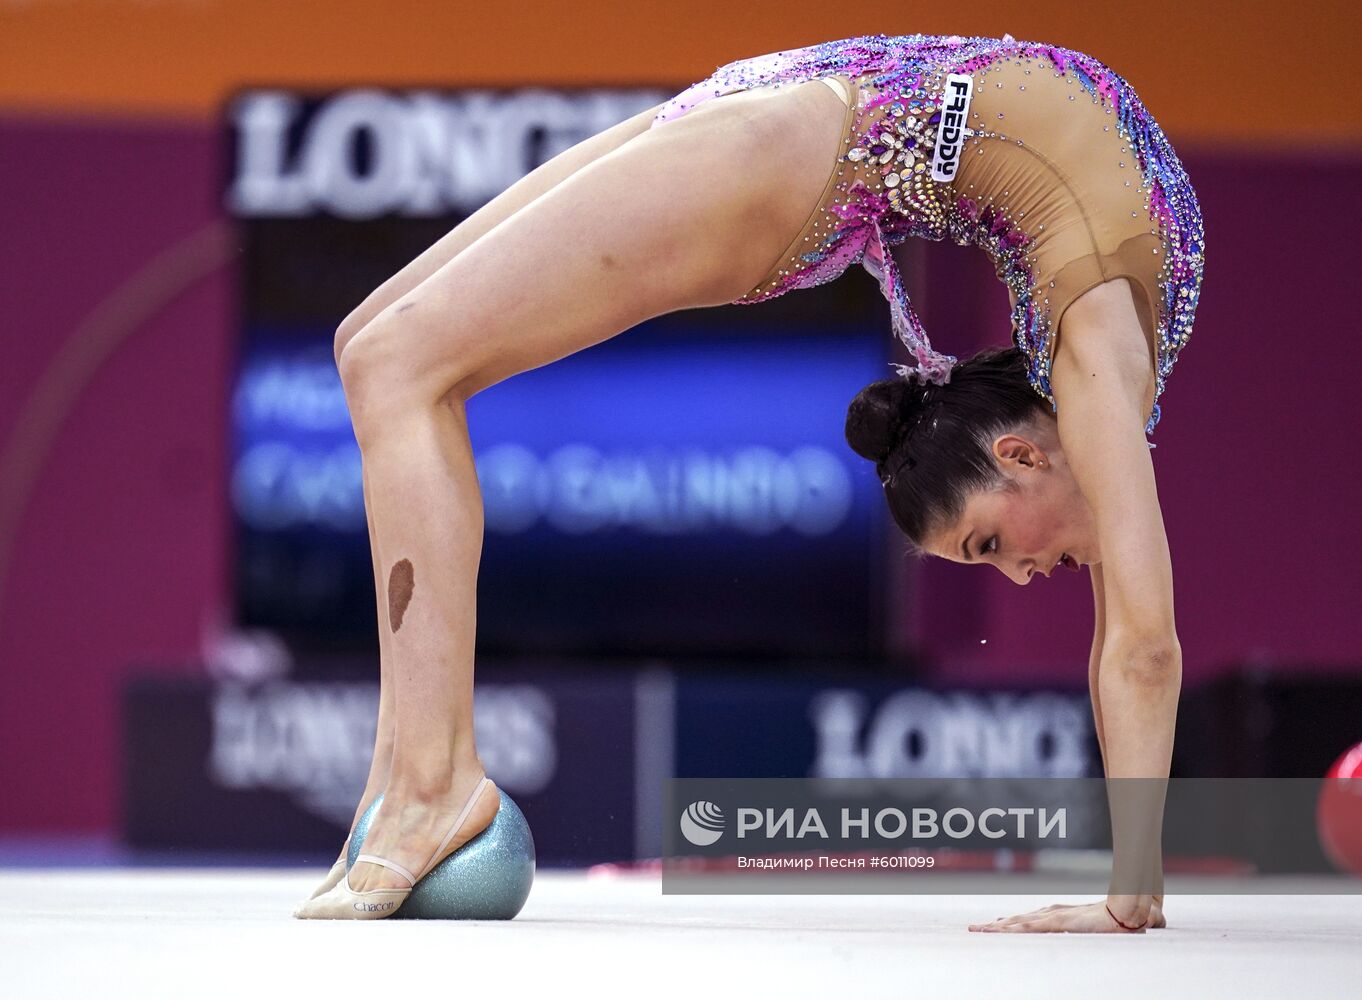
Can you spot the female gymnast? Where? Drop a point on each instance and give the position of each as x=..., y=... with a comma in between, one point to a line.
x=775, y=173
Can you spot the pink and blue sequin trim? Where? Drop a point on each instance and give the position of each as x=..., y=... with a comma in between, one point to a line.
x=905, y=69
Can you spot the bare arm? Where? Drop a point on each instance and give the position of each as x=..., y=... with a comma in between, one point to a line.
x=1099, y=618
x=1094, y=691
x=1102, y=385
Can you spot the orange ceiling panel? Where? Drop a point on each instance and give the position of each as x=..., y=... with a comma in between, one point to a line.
x=1252, y=71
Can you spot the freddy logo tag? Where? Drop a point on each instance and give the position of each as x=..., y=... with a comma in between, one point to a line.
x=950, y=134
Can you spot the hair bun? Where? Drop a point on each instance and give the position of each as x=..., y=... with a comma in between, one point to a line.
x=878, y=417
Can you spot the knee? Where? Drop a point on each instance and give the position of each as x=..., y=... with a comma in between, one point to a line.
x=370, y=369
x=347, y=331
x=388, y=372
x=372, y=375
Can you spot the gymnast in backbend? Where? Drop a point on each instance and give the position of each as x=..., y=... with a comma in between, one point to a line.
x=777, y=173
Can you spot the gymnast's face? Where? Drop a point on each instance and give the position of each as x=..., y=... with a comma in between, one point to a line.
x=1036, y=521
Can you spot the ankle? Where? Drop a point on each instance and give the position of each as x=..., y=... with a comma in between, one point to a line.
x=430, y=785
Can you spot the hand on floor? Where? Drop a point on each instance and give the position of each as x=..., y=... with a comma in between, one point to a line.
x=1084, y=918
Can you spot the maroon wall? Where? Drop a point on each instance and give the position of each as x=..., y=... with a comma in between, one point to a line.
x=1257, y=478
x=120, y=551
x=120, y=556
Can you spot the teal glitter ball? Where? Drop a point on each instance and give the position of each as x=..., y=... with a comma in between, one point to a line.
x=487, y=878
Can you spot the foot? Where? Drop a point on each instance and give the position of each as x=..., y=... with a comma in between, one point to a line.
x=336, y=873
x=407, y=830
x=377, y=781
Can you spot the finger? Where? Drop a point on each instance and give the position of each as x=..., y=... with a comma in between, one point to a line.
x=1023, y=927
x=1049, y=924
x=992, y=925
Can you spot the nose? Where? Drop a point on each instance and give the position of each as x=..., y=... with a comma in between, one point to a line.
x=1020, y=573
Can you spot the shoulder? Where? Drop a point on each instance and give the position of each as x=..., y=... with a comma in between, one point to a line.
x=1101, y=346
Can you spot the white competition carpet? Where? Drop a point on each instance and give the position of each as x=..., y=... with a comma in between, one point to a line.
x=217, y=932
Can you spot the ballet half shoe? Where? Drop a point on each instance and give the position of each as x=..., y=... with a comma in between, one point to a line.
x=341, y=902
x=336, y=873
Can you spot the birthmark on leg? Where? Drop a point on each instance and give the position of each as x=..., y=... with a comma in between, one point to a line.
x=401, y=583
x=405, y=306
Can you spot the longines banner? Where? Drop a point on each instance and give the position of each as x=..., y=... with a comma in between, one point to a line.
x=737, y=784
x=280, y=765
x=362, y=153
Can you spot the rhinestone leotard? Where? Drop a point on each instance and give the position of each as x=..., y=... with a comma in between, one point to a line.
x=1029, y=189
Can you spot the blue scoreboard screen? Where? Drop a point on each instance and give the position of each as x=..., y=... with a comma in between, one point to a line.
x=681, y=489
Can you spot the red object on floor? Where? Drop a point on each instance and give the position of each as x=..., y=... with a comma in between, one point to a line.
x=1339, y=813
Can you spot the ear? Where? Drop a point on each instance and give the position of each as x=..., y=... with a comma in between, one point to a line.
x=1012, y=450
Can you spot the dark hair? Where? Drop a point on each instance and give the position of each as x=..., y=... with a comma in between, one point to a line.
x=932, y=445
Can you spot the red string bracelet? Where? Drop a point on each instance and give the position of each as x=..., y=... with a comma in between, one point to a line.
x=1118, y=920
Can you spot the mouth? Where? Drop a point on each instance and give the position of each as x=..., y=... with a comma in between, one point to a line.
x=1068, y=562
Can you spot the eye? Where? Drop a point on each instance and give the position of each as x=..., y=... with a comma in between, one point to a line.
x=989, y=546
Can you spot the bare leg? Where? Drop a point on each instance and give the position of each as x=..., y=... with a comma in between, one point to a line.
x=687, y=215
x=538, y=181
x=381, y=765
